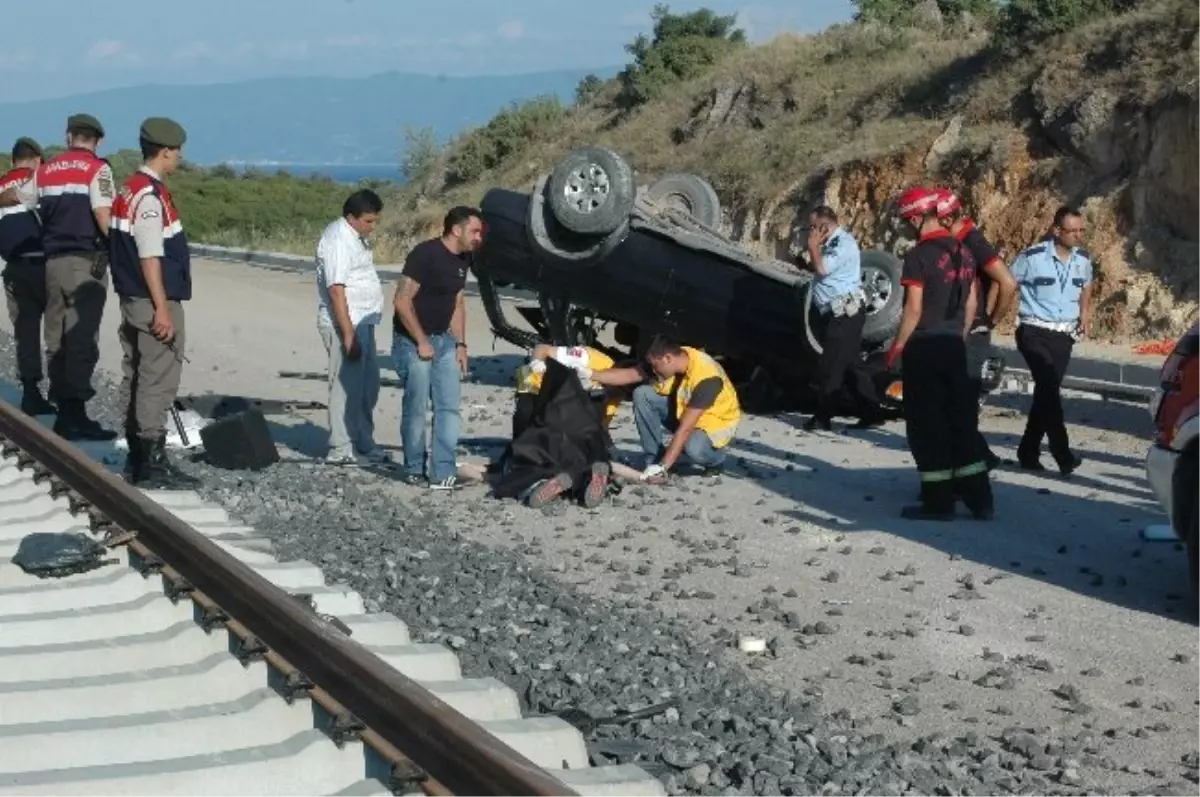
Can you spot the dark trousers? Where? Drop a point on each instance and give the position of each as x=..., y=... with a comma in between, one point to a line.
x=979, y=349
x=838, y=366
x=942, y=423
x=1047, y=353
x=25, y=290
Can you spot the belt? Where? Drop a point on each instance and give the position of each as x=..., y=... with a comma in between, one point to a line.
x=1054, y=326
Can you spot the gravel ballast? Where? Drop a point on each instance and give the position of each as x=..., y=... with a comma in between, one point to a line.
x=722, y=732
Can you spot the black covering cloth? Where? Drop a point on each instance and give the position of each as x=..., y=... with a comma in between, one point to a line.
x=566, y=434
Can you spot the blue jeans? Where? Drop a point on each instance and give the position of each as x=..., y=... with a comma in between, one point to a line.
x=650, y=411
x=440, y=380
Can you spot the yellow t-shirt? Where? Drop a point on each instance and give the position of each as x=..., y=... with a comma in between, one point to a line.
x=719, y=421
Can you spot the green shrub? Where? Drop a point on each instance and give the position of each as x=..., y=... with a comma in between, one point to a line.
x=509, y=132
x=900, y=12
x=1022, y=23
x=682, y=46
x=589, y=86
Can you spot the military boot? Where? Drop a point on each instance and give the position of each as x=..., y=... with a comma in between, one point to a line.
x=157, y=472
x=73, y=423
x=33, y=403
x=937, y=503
x=134, y=460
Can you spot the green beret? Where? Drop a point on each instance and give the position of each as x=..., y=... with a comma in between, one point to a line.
x=26, y=141
x=163, y=132
x=85, y=121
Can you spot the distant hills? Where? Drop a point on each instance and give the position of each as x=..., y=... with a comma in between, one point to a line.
x=293, y=120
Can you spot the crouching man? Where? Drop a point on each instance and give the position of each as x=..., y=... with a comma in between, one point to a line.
x=684, y=392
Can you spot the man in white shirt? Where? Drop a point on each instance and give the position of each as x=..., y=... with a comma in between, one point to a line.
x=351, y=306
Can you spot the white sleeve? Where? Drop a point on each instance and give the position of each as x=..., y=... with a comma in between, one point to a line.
x=336, y=259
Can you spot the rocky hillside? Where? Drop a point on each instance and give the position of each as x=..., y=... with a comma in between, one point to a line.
x=1104, y=117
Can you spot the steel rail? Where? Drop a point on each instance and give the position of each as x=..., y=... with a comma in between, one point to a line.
x=409, y=722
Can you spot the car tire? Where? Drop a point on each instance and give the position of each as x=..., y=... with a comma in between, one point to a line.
x=1193, y=544
x=885, y=299
x=687, y=192
x=591, y=191
x=559, y=247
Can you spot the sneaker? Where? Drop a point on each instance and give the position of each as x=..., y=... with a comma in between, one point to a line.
x=548, y=490
x=377, y=456
x=413, y=479
x=341, y=458
x=449, y=483
x=597, y=486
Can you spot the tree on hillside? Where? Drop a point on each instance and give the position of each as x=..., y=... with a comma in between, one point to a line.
x=1023, y=22
x=901, y=12
x=421, y=157
x=589, y=86
x=682, y=46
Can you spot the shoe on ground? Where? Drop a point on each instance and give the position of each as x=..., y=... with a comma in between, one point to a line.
x=1069, y=464
x=446, y=485
x=73, y=423
x=376, y=456
x=597, y=486
x=34, y=404
x=548, y=490
x=342, y=457
x=413, y=479
x=815, y=424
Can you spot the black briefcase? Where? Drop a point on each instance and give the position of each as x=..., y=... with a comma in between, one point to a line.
x=241, y=441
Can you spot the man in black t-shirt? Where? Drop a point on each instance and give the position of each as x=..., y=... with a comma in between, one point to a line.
x=995, y=289
x=429, y=345
x=940, y=414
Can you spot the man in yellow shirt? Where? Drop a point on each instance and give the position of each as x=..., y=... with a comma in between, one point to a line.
x=684, y=392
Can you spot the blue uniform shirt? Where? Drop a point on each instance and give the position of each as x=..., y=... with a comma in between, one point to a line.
x=843, y=269
x=1050, y=287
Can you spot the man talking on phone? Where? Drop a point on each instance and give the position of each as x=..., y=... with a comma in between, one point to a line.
x=839, y=314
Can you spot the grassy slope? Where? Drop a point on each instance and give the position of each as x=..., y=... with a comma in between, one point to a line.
x=850, y=94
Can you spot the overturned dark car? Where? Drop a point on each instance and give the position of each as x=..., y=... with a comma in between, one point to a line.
x=596, y=251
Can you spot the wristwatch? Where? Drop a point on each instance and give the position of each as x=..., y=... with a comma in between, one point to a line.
x=460, y=345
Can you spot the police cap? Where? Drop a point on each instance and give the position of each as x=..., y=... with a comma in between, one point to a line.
x=25, y=142
x=163, y=132
x=85, y=121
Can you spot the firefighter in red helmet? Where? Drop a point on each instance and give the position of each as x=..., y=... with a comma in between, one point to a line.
x=940, y=415
x=995, y=290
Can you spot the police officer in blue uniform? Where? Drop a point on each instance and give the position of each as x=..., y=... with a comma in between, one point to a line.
x=1055, y=281
x=840, y=312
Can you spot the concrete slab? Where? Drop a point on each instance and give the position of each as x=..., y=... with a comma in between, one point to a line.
x=306, y=764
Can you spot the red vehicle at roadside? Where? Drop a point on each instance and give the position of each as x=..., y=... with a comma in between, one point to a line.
x=1171, y=461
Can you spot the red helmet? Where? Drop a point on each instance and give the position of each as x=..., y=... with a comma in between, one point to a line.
x=916, y=202
x=948, y=202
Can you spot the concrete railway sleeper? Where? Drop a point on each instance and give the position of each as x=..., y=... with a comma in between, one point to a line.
x=198, y=664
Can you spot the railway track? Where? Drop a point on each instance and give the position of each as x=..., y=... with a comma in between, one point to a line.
x=196, y=663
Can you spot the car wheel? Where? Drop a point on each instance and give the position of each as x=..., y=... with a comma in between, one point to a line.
x=591, y=191
x=885, y=298
x=562, y=247
x=687, y=192
x=1193, y=545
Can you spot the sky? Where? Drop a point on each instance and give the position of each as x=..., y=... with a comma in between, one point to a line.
x=73, y=49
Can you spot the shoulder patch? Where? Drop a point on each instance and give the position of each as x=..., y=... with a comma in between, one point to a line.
x=1036, y=249
x=1084, y=253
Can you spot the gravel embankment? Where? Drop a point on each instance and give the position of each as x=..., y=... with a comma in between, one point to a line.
x=561, y=649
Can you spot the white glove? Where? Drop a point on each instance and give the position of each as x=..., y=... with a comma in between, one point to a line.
x=653, y=472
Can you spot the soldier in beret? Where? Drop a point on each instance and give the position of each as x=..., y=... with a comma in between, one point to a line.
x=152, y=277
x=75, y=197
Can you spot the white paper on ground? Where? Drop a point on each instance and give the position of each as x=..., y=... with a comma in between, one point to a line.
x=192, y=422
x=1158, y=533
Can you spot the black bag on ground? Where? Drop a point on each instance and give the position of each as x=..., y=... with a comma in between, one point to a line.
x=57, y=555
x=566, y=434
